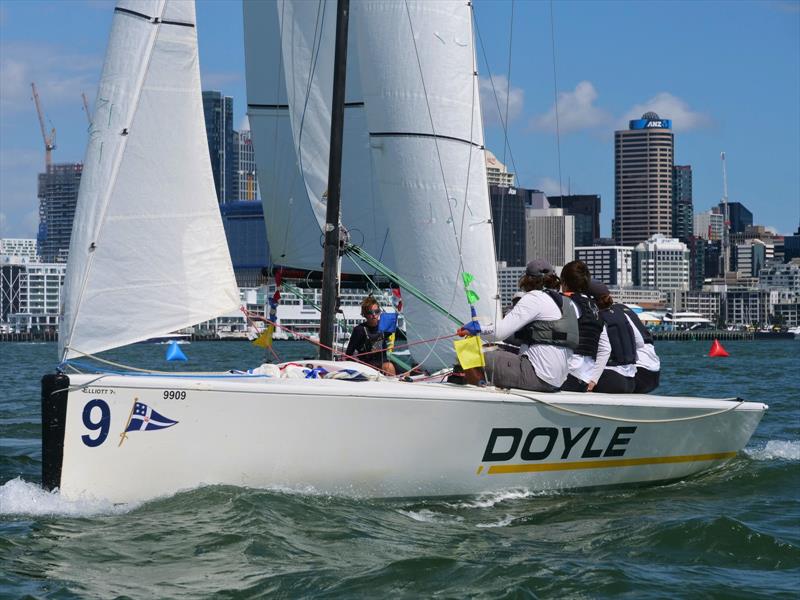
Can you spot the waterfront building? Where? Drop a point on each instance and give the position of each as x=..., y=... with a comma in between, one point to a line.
x=747, y=307
x=643, y=160
x=222, y=144
x=246, y=172
x=682, y=207
x=613, y=265
x=496, y=172
x=586, y=210
x=247, y=240
x=781, y=276
x=58, y=196
x=550, y=235
x=508, y=222
x=22, y=247
x=30, y=294
x=661, y=263
x=750, y=257
x=786, y=314
x=709, y=225
x=705, y=303
x=739, y=217
x=508, y=282
x=644, y=297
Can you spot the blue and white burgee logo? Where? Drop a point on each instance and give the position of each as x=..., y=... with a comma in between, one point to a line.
x=145, y=418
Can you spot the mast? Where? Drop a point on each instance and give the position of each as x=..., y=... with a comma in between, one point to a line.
x=331, y=264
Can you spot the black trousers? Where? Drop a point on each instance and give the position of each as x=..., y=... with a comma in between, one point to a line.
x=611, y=382
x=573, y=384
x=646, y=380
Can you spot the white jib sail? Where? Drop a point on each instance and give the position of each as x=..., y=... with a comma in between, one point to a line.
x=148, y=253
x=289, y=48
x=419, y=80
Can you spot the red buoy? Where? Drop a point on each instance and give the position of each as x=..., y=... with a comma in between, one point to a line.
x=717, y=349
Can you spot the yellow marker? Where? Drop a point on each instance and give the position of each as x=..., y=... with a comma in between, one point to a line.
x=480, y=468
x=469, y=353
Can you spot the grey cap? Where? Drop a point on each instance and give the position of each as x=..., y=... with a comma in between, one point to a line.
x=538, y=267
x=598, y=288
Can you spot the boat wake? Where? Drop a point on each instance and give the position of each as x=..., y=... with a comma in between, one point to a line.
x=775, y=449
x=20, y=497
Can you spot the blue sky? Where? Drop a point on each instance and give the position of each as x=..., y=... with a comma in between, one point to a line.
x=726, y=72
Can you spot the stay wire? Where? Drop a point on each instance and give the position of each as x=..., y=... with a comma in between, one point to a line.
x=555, y=96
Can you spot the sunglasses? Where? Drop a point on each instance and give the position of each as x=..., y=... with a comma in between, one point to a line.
x=374, y=312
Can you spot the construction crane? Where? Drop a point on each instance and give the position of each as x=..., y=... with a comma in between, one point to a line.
x=49, y=141
x=86, y=109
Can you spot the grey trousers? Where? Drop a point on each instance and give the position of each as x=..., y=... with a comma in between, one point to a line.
x=507, y=370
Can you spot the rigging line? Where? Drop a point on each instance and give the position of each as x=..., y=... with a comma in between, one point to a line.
x=738, y=402
x=433, y=130
x=503, y=195
x=555, y=96
x=281, y=76
x=503, y=124
x=115, y=171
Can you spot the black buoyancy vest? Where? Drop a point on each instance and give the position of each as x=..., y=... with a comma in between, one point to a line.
x=370, y=344
x=620, y=336
x=561, y=332
x=590, y=326
x=647, y=336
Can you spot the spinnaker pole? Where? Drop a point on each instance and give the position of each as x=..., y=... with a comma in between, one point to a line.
x=332, y=257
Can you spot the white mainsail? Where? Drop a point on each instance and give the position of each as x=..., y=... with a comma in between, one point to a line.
x=289, y=57
x=148, y=253
x=419, y=80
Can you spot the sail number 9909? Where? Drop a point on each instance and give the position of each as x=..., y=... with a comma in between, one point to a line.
x=174, y=395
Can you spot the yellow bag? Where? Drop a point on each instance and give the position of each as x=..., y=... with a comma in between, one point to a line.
x=264, y=340
x=469, y=352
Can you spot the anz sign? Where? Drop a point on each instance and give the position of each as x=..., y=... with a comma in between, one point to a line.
x=651, y=124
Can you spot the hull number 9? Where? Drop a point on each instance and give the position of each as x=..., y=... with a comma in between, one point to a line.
x=174, y=395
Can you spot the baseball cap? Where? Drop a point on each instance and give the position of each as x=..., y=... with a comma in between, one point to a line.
x=538, y=267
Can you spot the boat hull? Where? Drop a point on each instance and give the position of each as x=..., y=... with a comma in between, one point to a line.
x=370, y=439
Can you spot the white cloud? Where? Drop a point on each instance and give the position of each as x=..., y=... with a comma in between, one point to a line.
x=671, y=107
x=494, y=96
x=576, y=111
x=60, y=75
x=549, y=186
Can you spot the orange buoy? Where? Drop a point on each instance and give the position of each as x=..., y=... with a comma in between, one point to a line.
x=717, y=349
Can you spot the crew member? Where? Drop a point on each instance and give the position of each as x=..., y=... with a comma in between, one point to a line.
x=648, y=365
x=618, y=375
x=593, y=347
x=367, y=342
x=545, y=322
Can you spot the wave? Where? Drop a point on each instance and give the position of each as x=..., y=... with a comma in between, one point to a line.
x=776, y=449
x=19, y=497
x=426, y=515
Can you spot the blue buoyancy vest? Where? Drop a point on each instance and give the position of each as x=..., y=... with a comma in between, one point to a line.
x=620, y=336
x=590, y=326
x=647, y=335
x=561, y=332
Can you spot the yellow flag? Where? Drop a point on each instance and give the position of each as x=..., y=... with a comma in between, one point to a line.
x=469, y=352
x=264, y=340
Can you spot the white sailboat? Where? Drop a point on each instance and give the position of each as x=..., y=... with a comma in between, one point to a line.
x=143, y=435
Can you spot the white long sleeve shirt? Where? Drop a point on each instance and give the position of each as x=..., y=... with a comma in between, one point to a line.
x=551, y=363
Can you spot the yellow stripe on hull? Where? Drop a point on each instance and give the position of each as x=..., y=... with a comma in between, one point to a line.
x=605, y=464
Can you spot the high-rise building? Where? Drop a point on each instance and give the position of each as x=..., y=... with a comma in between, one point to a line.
x=751, y=257
x=613, y=265
x=508, y=282
x=709, y=225
x=222, y=145
x=643, y=159
x=550, y=235
x=791, y=246
x=22, y=247
x=713, y=259
x=247, y=240
x=738, y=216
x=246, y=170
x=496, y=172
x=586, y=210
x=508, y=223
x=58, y=196
x=682, y=207
x=661, y=263
x=697, y=261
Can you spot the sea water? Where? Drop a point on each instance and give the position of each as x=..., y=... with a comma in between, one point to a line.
x=730, y=533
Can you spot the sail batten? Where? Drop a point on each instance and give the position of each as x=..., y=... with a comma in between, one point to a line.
x=147, y=211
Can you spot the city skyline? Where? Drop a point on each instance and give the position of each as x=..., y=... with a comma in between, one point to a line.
x=701, y=76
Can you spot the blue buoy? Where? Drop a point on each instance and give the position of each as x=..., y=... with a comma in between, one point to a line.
x=174, y=352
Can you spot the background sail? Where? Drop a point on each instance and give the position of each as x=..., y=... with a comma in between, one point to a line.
x=289, y=48
x=419, y=83
x=148, y=252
